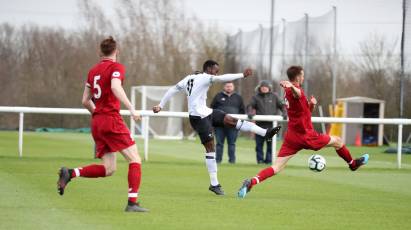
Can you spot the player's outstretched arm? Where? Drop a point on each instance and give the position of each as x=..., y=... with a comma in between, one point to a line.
x=118, y=91
x=296, y=91
x=169, y=94
x=86, y=100
x=231, y=77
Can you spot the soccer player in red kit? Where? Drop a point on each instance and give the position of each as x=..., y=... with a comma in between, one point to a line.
x=300, y=133
x=102, y=95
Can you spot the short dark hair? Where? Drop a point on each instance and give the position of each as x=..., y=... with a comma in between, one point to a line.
x=108, y=46
x=293, y=72
x=209, y=63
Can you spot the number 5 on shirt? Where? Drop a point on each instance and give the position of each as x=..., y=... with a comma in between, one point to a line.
x=97, y=87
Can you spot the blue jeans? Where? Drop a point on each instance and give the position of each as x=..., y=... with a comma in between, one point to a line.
x=259, y=145
x=231, y=135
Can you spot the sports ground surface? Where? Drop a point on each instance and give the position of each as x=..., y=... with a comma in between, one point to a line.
x=175, y=189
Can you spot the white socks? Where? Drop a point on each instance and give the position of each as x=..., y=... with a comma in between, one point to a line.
x=212, y=168
x=247, y=126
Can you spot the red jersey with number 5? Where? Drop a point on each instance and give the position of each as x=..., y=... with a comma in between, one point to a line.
x=298, y=111
x=99, y=81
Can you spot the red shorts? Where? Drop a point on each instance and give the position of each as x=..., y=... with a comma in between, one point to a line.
x=294, y=142
x=110, y=134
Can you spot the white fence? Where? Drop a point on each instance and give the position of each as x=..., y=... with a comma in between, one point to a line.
x=147, y=114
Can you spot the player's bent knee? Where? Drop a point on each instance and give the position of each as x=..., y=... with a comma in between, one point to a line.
x=228, y=118
x=230, y=121
x=131, y=154
x=209, y=146
x=109, y=173
x=278, y=168
x=134, y=158
x=110, y=170
x=337, y=142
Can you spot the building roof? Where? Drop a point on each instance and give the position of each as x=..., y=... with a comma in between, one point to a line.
x=360, y=100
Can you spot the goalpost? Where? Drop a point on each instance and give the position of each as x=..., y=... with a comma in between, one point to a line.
x=158, y=127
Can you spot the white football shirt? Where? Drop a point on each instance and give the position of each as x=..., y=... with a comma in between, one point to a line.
x=196, y=87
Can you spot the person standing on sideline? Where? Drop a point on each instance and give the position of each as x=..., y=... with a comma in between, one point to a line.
x=300, y=134
x=203, y=119
x=231, y=103
x=265, y=102
x=102, y=95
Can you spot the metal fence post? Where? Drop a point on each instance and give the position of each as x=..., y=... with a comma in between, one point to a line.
x=399, y=146
x=146, y=136
x=21, y=122
x=133, y=103
x=274, y=144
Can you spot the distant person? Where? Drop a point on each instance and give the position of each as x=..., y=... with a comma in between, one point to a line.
x=102, y=95
x=229, y=102
x=264, y=102
x=203, y=119
x=300, y=134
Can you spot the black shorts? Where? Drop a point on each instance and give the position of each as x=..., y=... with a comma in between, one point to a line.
x=204, y=126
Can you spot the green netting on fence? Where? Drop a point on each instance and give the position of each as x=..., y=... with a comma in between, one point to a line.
x=63, y=130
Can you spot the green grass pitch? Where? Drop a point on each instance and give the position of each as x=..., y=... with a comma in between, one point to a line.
x=175, y=189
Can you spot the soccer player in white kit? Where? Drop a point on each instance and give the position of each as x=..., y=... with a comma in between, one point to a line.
x=203, y=119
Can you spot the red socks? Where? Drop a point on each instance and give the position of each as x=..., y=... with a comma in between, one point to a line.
x=344, y=153
x=90, y=171
x=134, y=178
x=262, y=175
x=94, y=170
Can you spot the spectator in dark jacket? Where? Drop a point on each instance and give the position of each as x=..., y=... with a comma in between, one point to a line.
x=265, y=102
x=229, y=102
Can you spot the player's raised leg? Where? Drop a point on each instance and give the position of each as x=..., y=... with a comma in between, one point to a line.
x=268, y=172
x=247, y=126
x=90, y=171
x=134, y=178
x=344, y=153
x=211, y=163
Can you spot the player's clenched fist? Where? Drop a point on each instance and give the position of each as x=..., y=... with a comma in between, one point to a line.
x=285, y=84
x=136, y=117
x=313, y=100
x=156, y=109
x=248, y=72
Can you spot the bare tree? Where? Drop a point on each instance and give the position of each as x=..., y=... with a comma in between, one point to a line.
x=379, y=66
x=44, y=66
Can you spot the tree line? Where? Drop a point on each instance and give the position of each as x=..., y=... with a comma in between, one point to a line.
x=47, y=66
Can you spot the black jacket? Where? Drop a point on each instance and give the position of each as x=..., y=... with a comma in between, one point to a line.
x=230, y=104
x=266, y=104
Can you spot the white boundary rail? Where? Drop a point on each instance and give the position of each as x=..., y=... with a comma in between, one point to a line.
x=147, y=114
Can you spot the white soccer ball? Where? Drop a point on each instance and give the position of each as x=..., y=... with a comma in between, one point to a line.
x=316, y=163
